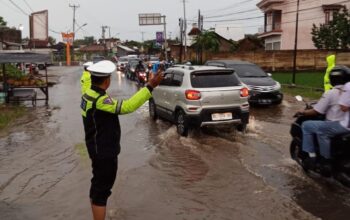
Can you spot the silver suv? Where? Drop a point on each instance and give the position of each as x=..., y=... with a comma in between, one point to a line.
x=197, y=96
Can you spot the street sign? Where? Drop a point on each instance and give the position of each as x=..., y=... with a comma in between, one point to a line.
x=150, y=19
x=68, y=38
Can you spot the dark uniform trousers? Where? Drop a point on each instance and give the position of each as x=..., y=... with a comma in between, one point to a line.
x=102, y=136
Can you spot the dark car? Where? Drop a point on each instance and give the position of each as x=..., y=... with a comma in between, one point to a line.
x=263, y=89
x=97, y=59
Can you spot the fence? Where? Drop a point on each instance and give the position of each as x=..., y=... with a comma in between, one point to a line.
x=283, y=60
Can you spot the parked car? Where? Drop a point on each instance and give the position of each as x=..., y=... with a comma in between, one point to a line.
x=198, y=96
x=263, y=89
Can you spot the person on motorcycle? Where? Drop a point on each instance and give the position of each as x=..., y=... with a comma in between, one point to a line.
x=139, y=68
x=324, y=130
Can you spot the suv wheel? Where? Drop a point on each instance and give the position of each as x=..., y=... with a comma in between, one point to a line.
x=152, y=110
x=242, y=127
x=181, y=123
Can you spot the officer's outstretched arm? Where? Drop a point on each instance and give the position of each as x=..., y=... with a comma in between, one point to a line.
x=135, y=102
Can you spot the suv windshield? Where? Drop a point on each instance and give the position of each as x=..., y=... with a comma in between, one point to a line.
x=248, y=70
x=123, y=60
x=214, y=79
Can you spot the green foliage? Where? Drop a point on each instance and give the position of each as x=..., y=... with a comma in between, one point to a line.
x=234, y=46
x=305, y=79
x=86, y=41
x=52, y=41
x=335, y=35
x=9, y=114
x=131, y=44
x=13, y=72
x=207, y=41
x=2, y=21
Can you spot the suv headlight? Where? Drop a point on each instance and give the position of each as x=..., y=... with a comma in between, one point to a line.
x=277, y=86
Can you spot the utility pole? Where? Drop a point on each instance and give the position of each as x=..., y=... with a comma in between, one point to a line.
x=104, y=36
x=181, y=22
x=296, y=44
x=75, y=7
x=166, y=40
x=143, y=33
x=185, y=27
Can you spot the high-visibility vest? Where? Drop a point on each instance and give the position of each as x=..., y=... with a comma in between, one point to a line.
x=331, y=65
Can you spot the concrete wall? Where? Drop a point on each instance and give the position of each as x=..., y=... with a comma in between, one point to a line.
x=283, y=60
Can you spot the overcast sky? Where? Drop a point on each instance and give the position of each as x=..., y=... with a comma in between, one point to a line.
x=122, y=16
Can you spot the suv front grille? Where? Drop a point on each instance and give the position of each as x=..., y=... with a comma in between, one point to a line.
x=264, y=88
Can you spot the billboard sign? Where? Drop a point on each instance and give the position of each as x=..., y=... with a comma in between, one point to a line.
x=150, y=19
x=159, y=37
x=39, y=28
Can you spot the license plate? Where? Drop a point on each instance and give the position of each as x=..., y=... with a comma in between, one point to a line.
x=265, y=101
x=221, y=116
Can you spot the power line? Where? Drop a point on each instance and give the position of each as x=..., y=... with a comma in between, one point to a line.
x=228, y=7
x=288, y=12
x=41, y=23
x=234, y=13
x=28, y=6
x=19, y=8
x=250, y=10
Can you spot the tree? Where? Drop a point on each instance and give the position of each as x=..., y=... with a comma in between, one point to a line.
x=207, y=41
x=86, y=41
x=2, y=21
x=335, y=35
x=52, y=41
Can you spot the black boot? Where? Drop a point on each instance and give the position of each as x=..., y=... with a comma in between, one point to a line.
x=309, y=163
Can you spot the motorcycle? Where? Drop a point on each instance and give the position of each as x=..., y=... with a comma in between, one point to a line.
x=339, y=168
x=141, y=78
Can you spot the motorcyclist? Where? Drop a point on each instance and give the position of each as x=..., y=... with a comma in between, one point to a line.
x=140, y=67
x=328, y=105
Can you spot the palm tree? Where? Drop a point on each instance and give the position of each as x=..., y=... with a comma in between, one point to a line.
x=206, y=41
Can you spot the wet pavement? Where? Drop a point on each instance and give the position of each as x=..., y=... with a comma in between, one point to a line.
x=213, y=174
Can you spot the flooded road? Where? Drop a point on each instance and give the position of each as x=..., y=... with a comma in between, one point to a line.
x=45, y=171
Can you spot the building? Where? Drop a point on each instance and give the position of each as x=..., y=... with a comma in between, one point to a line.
x=278, y=31
x=124, y=51
x=10, y=39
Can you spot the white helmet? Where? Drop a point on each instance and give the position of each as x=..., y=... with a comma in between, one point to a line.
x=102, y=68
x=87, y=64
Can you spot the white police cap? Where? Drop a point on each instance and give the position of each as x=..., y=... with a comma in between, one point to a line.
x=87, y=64
x=102, y=68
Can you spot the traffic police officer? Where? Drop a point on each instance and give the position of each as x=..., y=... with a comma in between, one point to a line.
x=102, y=130
x=85, y=80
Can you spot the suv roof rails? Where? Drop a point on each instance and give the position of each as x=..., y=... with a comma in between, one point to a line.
x=183, y=66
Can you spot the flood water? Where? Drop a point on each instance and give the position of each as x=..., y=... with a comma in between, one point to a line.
x=212, y=174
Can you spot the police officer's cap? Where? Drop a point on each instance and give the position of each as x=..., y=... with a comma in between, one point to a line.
x=102, y=68
x=87, y=64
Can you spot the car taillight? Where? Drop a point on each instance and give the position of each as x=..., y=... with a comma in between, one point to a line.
x=244, y=92
x=193, y=95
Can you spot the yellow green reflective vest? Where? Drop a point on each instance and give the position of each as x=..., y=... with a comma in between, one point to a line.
x=85, y=81
x=101, y=123
x=331, y=65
